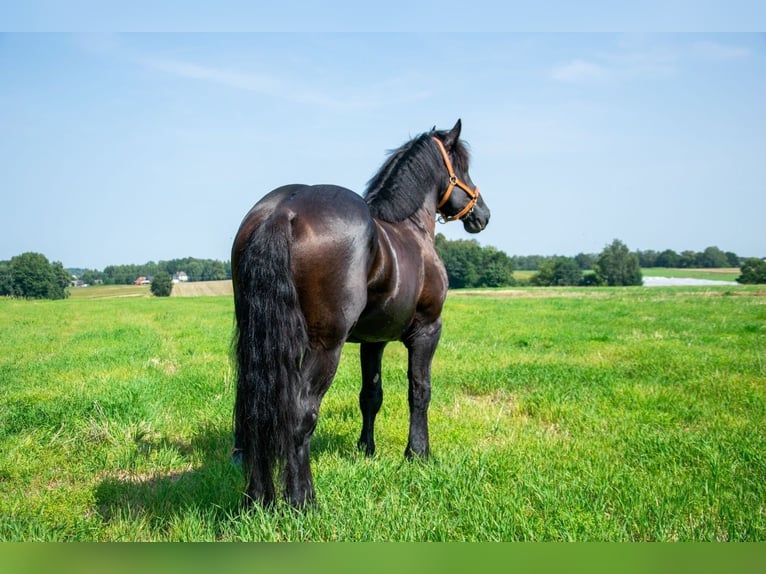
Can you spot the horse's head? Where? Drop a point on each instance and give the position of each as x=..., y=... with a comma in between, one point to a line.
x=460, y=198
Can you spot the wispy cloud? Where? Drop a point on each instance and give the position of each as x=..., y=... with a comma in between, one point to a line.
x=578, y=70
x=617, y=65
x=230, y=78
x=645, y=60
x=719, y=51
x=369, y=97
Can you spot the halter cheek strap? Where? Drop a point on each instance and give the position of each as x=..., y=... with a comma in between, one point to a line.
x=453, y=182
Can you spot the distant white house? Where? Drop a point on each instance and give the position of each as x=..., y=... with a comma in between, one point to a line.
x=180, y=277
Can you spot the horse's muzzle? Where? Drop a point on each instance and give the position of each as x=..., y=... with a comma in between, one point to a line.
x=476, y=221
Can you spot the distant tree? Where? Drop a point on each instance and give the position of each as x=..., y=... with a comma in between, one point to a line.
x=195, y=269
x=122, y=274
x=616, y=265
x=557, y=271
x=732, y=259
x=668, y=258
x=687, y=259
x=6, y=280
x=470, y=265
x=712, y=257
x=753, y=271
x=496, y=268
x=61, y=281
x=461, y=258
x=162, y=284
x=585, y=260
x=527, y=262
x=150, y=269
x=590, y=279
x=214, y=271
x=32, y=276
x=647, y=258
x=91, y=277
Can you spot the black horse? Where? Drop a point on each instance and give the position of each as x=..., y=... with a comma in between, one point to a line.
x=316, y=266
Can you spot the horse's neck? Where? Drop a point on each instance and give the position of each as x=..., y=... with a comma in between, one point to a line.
x=426, y=221
x=423, y=220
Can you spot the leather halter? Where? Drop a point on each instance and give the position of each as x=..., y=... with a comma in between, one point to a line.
x=454, y=181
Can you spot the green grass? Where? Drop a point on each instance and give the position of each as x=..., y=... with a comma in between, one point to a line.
x=557, y=414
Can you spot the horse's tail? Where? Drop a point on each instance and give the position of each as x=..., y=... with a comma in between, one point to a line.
x=270, y=340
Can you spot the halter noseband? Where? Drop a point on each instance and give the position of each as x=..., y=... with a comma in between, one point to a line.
x=454, y=181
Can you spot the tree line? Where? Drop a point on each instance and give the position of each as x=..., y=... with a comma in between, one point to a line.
x=32, y=276
x=711, y=257
x=470, y=265
x=195, y=269
x=615, y=266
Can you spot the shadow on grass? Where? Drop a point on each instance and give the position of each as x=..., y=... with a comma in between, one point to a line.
x=213, y=487
x=156, y=495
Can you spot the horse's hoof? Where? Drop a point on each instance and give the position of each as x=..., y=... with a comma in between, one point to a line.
x=413, y=454
x=368, y=450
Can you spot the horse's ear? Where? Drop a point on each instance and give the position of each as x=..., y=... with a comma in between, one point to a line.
x=453, y=135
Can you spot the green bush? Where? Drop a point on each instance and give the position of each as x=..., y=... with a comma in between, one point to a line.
x=162, y=284
x=753, y=271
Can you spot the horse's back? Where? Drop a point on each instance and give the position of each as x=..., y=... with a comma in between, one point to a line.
x=332, y=247
x=317, y=213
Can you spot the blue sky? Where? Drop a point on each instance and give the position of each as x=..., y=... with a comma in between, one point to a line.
x=125, y=148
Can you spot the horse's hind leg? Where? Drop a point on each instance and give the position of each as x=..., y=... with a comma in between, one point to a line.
x=371, y=395
x=260, y=486
x=317, y=372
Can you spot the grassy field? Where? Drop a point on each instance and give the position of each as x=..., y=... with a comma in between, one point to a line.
x=109, y=291
x=722, y=274
x=203, y=289
x=557, y=414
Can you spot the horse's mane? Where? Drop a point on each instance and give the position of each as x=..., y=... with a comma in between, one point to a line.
x=399, y=187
